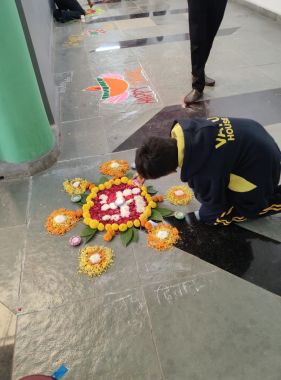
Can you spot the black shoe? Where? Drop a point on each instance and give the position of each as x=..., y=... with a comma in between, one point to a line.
x=192, y=97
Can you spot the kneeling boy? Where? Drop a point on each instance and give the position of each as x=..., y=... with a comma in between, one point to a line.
x=232, y=165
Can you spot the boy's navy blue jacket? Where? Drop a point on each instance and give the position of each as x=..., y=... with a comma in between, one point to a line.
x=233, y=167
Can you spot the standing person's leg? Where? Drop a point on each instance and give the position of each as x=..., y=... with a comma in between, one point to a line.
x=71, y=5
x=197, y=14
x=215, y=15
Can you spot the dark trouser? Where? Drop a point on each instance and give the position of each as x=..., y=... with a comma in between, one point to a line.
x=205, y=17
x=71, y=5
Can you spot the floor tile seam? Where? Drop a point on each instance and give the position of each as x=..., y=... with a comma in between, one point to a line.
x=77, y=120
x=153, y=338
x=220, y=34
x=8, y=308
x=91, y=157
x=127, y=16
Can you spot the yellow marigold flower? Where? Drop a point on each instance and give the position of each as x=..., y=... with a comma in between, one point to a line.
x=117, y=181
x=130, y=182
x=147, y=212
x=85, y=207
x=101, y=187
x=87, y=221
x=123, y=227
x=75, y=186
x=108, y=185
x=179, y=195
x=124, y=180
x=94, y=260
x=115, y=227
x=148, y=197
x=143, y=193
x=137, y=223
x=130, y=224
x=100, y=226
x=152, y=204
x=108, y=227
x=94, y=223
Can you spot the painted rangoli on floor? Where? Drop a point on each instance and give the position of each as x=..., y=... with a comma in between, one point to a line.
x=118, y=88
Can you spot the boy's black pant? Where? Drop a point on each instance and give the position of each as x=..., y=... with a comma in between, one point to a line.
x=205, y=17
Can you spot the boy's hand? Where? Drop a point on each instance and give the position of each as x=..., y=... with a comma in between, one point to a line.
x=138, y=180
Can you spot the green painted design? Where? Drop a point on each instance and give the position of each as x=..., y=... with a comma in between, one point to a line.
x=105, y=88
x=24, y=127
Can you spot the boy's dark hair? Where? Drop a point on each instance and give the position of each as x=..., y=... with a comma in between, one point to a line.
x=157, y=157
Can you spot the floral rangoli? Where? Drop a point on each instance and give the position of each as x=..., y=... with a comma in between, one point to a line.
x=119, y=206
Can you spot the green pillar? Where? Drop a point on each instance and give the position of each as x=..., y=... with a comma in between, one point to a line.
x=25, y=133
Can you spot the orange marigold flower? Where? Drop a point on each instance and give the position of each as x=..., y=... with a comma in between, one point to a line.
x=114, y=168
x=162, y=237
x=158, y=198
x=61, y=221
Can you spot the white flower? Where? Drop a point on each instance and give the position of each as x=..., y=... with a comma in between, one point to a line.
x=59, y=219
x=106, y=217
x=162, y=234
x=129, y=201
x=105, y=207
x=76, y=184
x=95, y=258
x=136, y=190
x=115, y=217
x=119, y=201
x=103, y=198
x=119, y=194
x=179, y=193
x=114, y=165
x=140, y=203
x=127, y=192
x=112, y=206
x=124, y=211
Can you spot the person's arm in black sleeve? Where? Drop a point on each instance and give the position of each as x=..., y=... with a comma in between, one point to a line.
x=211, y=193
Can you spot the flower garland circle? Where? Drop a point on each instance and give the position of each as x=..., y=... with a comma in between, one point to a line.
x=75, y=186
x=179, y=195
x=117, y=205
x=114, y=168
x=162, y=237
x=94, y=260
x=61, y=221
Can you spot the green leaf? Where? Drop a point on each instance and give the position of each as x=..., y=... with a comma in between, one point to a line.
x=156, y=216
x=102, y=180
x=129, y=175
x=151, y=190
x=126, y=237
x=83, y=199
x=135, y=235
x=165, y=212
x=87, y=231
x=90, y=237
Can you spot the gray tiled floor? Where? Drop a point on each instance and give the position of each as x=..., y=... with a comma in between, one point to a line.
x=152, y=315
